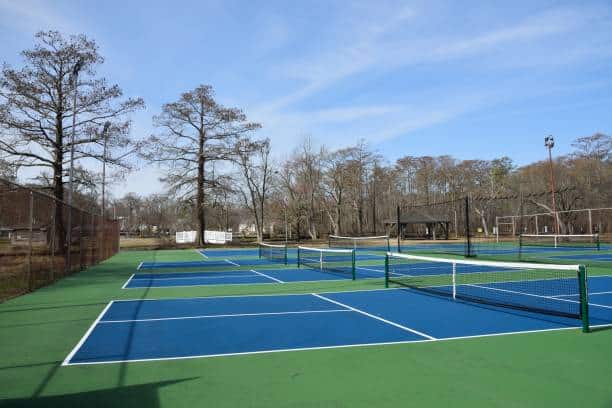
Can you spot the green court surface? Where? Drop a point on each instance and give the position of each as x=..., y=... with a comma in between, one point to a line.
x=37, y=331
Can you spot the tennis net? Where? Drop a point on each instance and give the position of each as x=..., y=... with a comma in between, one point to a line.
x=380, y=243
x=273, y=252
x=544, y=288
x=339, y=261
x=580, y=241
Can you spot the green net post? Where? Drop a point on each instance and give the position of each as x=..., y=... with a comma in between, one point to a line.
x=353, y=264
x=584, y=301
x=286, y=257
x=259, y=251
x=598, y=242
x=398, y=220
x=468, y=238
x=298, y=257
x=386, y=270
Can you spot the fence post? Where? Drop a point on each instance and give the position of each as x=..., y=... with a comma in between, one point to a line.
x=468, y=240
x=52, y=240
x=399, y=234
x=92, y=240
x=31, y=231
x=81, y=240
x=68, y=266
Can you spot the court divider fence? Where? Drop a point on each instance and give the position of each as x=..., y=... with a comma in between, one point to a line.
x=43, y=239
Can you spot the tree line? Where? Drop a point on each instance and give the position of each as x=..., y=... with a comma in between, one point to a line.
x=219, y=171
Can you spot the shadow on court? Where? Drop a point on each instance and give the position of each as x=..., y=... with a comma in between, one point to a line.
x=145, y=395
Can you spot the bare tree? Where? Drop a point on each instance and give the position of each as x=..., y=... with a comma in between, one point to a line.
x=334, y=184
x=196, y=131
x=8, y=169
x=253, y=159
x=37, y=107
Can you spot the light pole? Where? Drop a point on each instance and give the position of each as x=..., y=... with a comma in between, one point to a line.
x=549, y=142
x=285, y=213
x=107, y=125
x=74, y=79
x=373, y=181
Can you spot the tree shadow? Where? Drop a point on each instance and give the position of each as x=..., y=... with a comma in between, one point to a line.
x=144, y=395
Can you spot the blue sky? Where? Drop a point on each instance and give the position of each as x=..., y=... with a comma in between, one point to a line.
x=465, y=78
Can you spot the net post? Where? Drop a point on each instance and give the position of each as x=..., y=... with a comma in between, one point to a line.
x=353, y=264
x=259, y=248
x=497, y=229
x=597, y=241
x=298, y=257
x=399, y=246
x=468, y=241
x=387, y=270
x=286, y=257
x=454, y=280
x=30, y=237
x=520, y=226
x=584, y=301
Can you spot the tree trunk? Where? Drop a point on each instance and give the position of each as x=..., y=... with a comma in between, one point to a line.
x=58, y=188
x=200, y=196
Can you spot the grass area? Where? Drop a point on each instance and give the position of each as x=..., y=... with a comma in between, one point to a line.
x=37, y=331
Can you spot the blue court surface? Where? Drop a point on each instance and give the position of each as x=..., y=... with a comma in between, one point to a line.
x=229, y=253
x=492, y=248
x=243, y=277
x=588, y=257
x=291, y=274
x=204, y=264
x=139, y=330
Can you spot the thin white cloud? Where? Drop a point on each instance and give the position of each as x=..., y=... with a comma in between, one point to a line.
x=376, y=48
x=374, y=51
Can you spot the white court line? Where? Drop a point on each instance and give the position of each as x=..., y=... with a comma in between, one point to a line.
x=590, y=293
x=598, y=305
x=139, y=266
x=220, y=275
x=86, y=335
x=518, y=293
x=302, y=293
x=232, y=263
x=539, y=296
x=223, y=316
x=264, y=294
x=128, y=281
x=382, y=272
x=153, y=286
x=329, y=347
x=399, y=326
x=66, y=361
x=267, y=276
x=201, y=252
x=369, y=269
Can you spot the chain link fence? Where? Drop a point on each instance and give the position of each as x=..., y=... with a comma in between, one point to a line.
x=43, y=239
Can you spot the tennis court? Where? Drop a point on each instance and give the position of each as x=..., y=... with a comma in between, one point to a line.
x=590, y=257
x=138, y=330
x=438, y=299
x=246, y=267
x=245, y=277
